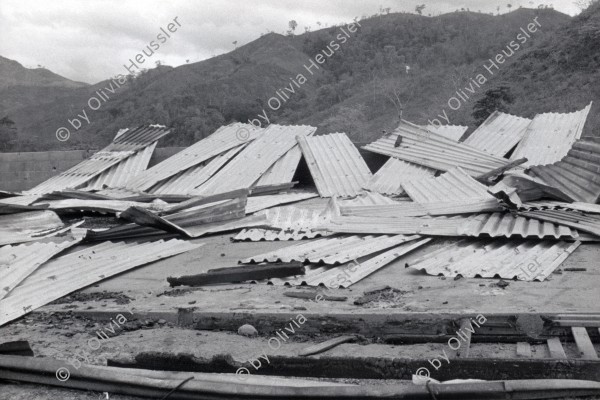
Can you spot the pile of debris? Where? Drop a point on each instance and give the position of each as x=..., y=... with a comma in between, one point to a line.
x=515, y=218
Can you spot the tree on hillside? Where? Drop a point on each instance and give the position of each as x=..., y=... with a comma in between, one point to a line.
x=494, y=99
x=292, y=24
x=419, y=9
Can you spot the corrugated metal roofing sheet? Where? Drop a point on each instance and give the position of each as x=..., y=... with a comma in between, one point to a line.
x=453, y=132
x=137, y=138
x=248, y=166
x=524, y=260
x=499, y=133
x=558, y=205
x=27, y=226
x=186, y=181
x=257, y=203
x=224, y=139
x=119, y=174
x=351, y=272
x=454, y=192
x=366, y=199
x=417, y=145
x=577, y=220
x=336, y=250
x=438, y=226
x=399, y=209
x=272, y=235
x=576, y=175
x=508, y=225
x=391, y=176
x=82, y=172
x=335, y=164
x=283, y=170
x=122, y=147
x=80, y=269
x=18, y=262
x=550, y=136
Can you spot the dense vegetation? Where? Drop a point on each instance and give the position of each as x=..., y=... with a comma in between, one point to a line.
x=395, y=65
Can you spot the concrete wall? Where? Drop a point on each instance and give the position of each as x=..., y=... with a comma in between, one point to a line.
x=22, y=171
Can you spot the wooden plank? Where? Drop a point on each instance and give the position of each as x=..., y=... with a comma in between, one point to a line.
x=463, y=350
x=578, y=322
x=555, y=348
x=312, y=294
x=321, y=347
x=584, y=344
x=239, y=274
x=523, y=349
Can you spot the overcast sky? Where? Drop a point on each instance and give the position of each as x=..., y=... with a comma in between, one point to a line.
x=90, y=40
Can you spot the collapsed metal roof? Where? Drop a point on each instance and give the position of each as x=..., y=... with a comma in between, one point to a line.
x=577, y=174
x=549, y=137
x=390, y=177
x=335, y=250
x=453, y=132
x=335, y=164
x=82, y=268
x=523, y=260
x=18, y=262
x=454, y=192
x=499, y=133
x=222, y=140
x=411, y=143
x=125, y=145
x=254, y=160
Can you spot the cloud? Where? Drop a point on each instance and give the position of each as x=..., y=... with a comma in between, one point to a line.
x=91, y=40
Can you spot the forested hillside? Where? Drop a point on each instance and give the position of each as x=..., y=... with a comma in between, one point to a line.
x=395, y=64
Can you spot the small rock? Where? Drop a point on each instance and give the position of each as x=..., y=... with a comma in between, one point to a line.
x=192, y=302
x=502, y=284
x=457, y=277
x=247, y=330
x=222, y=254
x=445, y=302
x=162, y=321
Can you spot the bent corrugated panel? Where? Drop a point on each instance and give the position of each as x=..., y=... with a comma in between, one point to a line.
x=508, y=225
x=124, y=145
x=549, y=137
x=336, y=250
x=525, y=260
x=222, y=140
x=436, y=226
x=499, y=133
x=577, y=220
x=411, y=143
x=186, y=181
x=348, y=274
x=454, y=192
x=255, y=160
x=335, y=164
x=80, y=269
x=578, y=174
x=18, y=262
x=453, y=132
x=119, y=174
x=391, y=176
x=28, y=226
x=257, y=203
x=283, y=170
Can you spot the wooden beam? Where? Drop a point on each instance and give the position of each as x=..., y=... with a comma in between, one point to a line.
x=239, y=274
x=584, y=344
x=555, y=348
